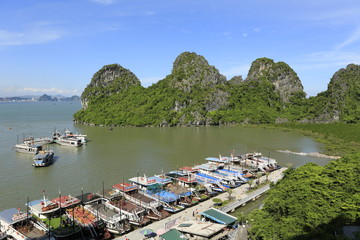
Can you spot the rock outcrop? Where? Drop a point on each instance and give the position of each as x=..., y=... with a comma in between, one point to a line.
x=280, y=74
x=109, y=79
x=341, y=99
x=190, y=69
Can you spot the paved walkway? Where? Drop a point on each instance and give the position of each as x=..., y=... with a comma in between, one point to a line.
x=187, y=214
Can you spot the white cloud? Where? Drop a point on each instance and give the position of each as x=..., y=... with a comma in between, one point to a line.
x=38, y=33
x=354, y=37
x=245, y=34
x=51, y=90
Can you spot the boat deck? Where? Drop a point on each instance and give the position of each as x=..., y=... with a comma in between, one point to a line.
x=127, y=206
x=104, y=210
x=177, y=189
x=141, y=197
x=82, y=215
x=30, y=231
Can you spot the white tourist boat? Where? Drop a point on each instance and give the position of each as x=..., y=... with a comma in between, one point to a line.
x=69, y=141
x=37, y=141
x=27, y=148
x=82, y=137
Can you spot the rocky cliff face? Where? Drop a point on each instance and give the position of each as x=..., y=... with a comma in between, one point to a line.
x=108, y=80
x=192, y=73
x=190, y=69
x=342, y=96
x=280, y=74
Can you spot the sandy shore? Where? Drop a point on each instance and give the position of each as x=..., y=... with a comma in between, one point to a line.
x=187, y=214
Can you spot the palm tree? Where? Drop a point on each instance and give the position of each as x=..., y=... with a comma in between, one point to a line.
x=258, y=175
x=267, y=176
x=229, y=191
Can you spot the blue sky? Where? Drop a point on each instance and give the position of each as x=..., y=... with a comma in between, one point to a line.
x=54, y=47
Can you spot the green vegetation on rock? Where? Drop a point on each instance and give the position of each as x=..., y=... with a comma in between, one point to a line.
x=195, y=94
x=311, y=202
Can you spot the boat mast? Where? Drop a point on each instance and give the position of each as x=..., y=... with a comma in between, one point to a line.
x=60, y=205
x=45, y=205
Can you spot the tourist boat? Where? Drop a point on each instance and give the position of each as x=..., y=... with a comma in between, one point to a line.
x=132, y=193
x=43, y=158
x=21, y=226
x=37, y=141
x=82, y=137
x=40, y=208
x=27, y=148
x=133, y=212
x=88, y=220
x=116, y=221
x=69, y=141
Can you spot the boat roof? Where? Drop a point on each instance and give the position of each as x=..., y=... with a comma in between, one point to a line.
x=144, y=181
x=188, y=169
x=208, y=166
x=219, y=216
x=220, y=160
x=40, y=156
x=161, y=179
x=13, y=215
x=125, y=187
x=66, y=200
x=37, y=205
x=187, y=180
x=88, y=197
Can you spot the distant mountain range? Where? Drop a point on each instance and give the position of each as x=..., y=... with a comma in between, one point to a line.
x=42, y=98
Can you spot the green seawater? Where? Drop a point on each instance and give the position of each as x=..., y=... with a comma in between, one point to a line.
x=124, y=152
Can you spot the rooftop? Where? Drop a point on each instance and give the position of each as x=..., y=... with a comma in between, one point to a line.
x=204, y=229
x=219, y=216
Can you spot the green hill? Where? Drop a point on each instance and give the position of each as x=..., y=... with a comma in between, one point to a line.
x=196, y=94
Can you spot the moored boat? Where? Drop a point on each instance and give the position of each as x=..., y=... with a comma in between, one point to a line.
x=27, y=148
x=69, y=141
x=43, y=158
x=21, y=226
x=37, y=141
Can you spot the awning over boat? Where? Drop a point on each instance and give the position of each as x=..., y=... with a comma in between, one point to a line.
x=219, y=216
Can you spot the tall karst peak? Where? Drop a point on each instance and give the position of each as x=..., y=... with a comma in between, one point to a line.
x=280, y=74
x=114, y=74
x=191, y=69
x=108, y=80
